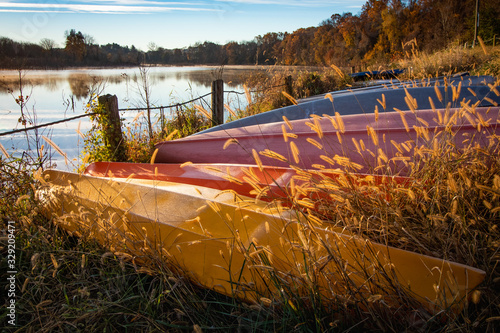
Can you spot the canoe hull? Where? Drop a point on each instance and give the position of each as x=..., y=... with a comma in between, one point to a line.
x=237, y=246
x=364, y=101
x=387, y=148
x=266, y=182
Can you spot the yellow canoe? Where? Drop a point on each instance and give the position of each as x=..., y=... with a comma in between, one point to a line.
x=246, y=248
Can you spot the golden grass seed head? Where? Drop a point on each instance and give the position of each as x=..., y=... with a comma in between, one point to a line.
x=285, y=134
x=257, y=160
x=56, y=147
x=288, y=123
x=438, y=93
x=204, y=112
x=373, y=135
x=153, y=157
x=290, y=98
x=273, y=155
x=340, y=122
x=230, y=110
x=339, y=137
x=229, y=142
x=338, y=71
x=315, y=143
x=295, y=152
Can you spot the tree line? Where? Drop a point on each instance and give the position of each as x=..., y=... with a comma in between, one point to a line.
x=384, y=30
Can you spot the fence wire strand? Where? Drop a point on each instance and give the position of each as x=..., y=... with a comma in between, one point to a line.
x=166, y=106
x=47, y=124
x=129, y=109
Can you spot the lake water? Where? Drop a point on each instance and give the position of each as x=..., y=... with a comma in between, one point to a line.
x=52, y=95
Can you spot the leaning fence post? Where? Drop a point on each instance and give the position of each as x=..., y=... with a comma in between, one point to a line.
x=112, y=127
x=217, y=102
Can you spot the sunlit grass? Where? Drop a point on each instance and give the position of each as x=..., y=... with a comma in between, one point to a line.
x=448, y=209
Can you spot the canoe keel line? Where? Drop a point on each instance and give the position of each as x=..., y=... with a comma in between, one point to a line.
x=246, y=248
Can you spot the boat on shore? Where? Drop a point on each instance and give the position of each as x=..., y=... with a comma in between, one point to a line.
x=240, y=247
x=220, y=206
x=464, y=80
x=386, y=143
x=476, y=91
x=266, y=183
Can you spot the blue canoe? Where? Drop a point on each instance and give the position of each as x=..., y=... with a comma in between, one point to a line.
x=475, y=90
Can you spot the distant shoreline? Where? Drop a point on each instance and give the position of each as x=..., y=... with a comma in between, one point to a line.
x=235, y=67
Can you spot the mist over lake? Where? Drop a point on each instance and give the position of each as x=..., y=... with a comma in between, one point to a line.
x=51, y=95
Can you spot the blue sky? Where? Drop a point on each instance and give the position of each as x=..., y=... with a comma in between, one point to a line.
x=169, y=24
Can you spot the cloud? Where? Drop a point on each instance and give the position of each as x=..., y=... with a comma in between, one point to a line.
x=109, y=7
x=297, y=3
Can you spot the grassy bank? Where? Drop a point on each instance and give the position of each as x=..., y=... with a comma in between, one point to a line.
x=68, y=283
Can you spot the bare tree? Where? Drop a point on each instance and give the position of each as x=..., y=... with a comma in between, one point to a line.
x=48, y=44
x=88, y=39
x=90, y=45
x=152, y=47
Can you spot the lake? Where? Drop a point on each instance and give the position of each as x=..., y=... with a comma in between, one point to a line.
x=51, y=95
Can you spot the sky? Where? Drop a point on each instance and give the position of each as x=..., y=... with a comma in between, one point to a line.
x=168, y=24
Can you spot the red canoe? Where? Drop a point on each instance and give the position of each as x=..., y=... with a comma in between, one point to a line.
x=367, y=140
x=266, y=182
x=217, y=176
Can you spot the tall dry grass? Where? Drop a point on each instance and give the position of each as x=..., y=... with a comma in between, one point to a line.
x=450, y=210
x=482, y=60
x=267, y=88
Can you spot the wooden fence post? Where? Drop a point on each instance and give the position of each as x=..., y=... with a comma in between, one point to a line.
x=289, y=85
x=217, y=102
x=112, y=127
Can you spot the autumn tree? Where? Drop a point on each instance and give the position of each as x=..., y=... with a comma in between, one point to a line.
x=234, y=53
x=489, y=25
x=268, y=48
x=296, y=47
x=371, y=16
x=324, y=42
x=75, y=44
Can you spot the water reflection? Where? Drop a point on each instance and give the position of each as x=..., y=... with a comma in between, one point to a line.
x=10, y=81
x=81, y=82
x=55, y=95
x=80, y=85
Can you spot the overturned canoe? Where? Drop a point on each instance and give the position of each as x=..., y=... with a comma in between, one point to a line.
x=242, y=247
x=367, y=143
x=265, y=182
x=243, y=179
x=365, y=100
